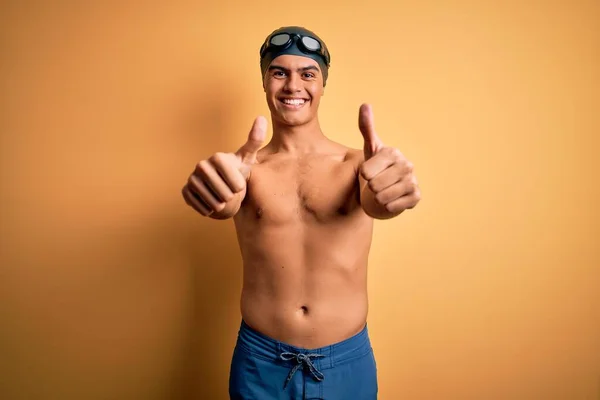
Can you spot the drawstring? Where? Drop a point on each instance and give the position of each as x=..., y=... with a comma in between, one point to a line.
x=301, y=360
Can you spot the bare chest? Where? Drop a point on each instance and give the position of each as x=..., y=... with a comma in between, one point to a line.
x=322, y=190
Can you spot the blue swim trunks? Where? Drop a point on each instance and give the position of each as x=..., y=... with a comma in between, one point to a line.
x=263, y=368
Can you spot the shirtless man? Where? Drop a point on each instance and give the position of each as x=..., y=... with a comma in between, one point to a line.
x=303, y=208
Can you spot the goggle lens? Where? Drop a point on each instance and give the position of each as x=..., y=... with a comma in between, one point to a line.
x=310, y=43
x=280, y=40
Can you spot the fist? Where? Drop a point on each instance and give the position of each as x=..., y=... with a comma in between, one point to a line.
x=388, y=173
x=216, y=180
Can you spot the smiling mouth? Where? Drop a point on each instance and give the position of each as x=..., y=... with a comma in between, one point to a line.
x=293, y=103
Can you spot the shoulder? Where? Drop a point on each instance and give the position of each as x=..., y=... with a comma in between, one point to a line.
x=355, y=157
x=266, y=154
x=354, y=154
x=345, y=153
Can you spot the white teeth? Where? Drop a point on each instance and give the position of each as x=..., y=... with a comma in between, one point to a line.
x=294, y=102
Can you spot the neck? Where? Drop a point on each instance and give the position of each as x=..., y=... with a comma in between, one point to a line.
x=299, y=139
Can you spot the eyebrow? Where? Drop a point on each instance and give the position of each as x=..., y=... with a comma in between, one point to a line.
x=309, y=68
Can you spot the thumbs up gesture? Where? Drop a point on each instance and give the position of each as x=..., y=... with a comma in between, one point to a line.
x=218, y=184
x=391, y=185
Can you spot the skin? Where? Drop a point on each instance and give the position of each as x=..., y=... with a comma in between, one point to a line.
x=303, y=208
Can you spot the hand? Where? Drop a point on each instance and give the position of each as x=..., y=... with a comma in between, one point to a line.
x=216, y=180
x=388, y=173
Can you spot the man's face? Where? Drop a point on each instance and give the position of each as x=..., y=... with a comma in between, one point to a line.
x=293, y=86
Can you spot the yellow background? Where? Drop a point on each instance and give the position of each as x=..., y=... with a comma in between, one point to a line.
x=111, y=288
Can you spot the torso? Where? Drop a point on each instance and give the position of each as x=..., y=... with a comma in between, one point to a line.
x=305, y=243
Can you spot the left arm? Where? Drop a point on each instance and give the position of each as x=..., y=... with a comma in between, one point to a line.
x=387, y=184
x=386, y=180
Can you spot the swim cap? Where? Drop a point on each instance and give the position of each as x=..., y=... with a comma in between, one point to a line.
x=297, y=41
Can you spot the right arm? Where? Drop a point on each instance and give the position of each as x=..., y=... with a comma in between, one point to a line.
x=217, y=186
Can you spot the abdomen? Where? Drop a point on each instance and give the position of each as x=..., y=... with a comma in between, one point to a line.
x=305, y=285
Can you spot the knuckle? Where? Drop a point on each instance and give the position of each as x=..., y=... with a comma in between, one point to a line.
x=193, y=182
x=227, y=197
x=203, y=166
x=219, y=207
x=190, y=183
x=414, y=201
x=238, y=182
x=373, y=186
x=392, y=153
x=380, y=198
x=187, y=196
x=366, y=175
x=409, y=166
x=239, y=187
x=218, y=157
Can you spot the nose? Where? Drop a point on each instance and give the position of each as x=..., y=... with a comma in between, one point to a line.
x=293, y=83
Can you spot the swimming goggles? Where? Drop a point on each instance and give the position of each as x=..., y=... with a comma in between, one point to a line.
x=306, y=44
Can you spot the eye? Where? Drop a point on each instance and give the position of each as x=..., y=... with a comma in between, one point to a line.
x=279, y=74
x=308, y=75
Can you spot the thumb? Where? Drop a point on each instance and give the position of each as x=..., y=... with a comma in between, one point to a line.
x=366, y=125
x=247, y=153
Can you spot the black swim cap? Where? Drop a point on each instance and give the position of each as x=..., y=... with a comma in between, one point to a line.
x=299, y=44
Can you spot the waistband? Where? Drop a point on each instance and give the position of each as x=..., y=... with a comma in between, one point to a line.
x=266, y=347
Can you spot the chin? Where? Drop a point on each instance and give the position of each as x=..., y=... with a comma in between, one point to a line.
x=295, y=120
